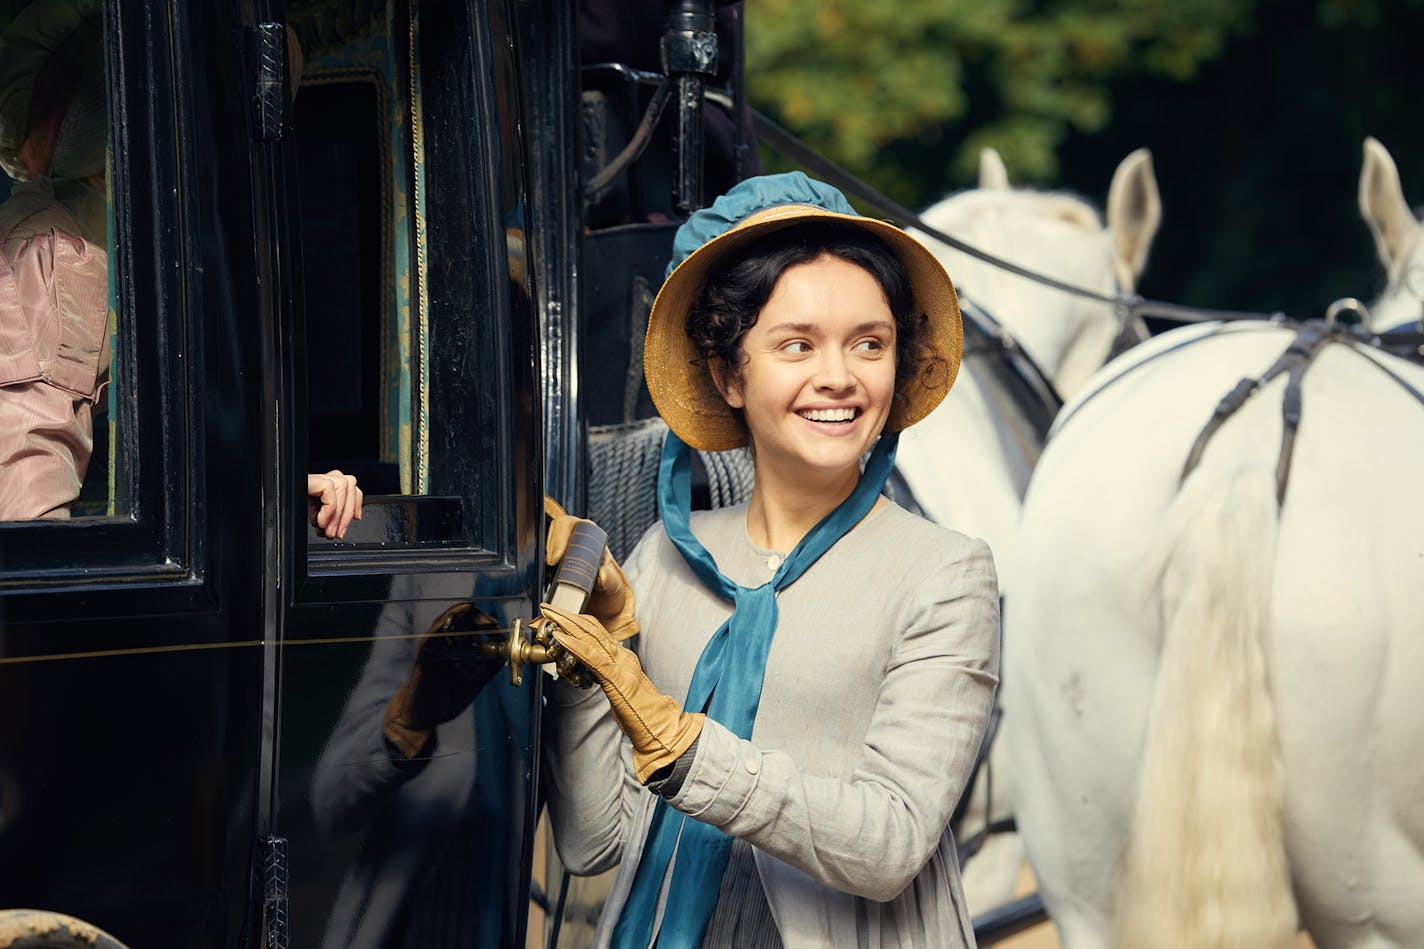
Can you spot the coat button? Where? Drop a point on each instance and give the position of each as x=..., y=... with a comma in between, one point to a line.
x=751, y=766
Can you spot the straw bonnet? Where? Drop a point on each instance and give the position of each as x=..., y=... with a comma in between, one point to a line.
x=28, y=41
x=678, y=380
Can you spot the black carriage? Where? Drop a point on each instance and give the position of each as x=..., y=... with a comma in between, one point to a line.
x=335, y=229
x=361, y=236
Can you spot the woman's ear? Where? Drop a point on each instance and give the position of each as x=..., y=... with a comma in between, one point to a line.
x=725, y=383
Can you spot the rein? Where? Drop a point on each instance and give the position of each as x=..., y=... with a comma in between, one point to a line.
x=1128, y=305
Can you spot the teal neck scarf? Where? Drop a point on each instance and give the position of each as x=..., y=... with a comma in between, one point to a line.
x=726, y=684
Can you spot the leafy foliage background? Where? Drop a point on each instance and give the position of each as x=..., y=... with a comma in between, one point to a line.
x=1255, y=111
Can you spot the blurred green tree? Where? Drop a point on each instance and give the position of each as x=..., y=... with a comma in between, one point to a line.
x=1255, y=111
x=866, y=81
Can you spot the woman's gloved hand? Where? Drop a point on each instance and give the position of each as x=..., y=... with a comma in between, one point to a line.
x=611, y=600
x=658, y=727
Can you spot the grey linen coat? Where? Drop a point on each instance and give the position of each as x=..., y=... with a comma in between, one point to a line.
x=874, y=703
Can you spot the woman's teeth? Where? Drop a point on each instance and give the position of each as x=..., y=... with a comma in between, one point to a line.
x=829, y=415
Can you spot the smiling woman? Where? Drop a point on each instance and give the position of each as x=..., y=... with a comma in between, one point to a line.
x=795, y=803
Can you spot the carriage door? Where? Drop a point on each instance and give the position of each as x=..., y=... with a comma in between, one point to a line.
x=401, y=766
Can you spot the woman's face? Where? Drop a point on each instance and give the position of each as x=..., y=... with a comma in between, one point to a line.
x=818, y=370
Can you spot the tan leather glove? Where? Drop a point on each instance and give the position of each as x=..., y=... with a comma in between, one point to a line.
x=658, y=727
x=612, y=598
x=449, y=672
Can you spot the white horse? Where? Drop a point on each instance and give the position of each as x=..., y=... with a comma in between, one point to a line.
x=1217, y=731
x=968, y=463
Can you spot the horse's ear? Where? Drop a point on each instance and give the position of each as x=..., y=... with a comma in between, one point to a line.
x=1382, y=205
x=992, y=173
x=1134, y=214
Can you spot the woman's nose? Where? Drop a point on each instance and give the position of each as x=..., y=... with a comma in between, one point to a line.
x=834, y=372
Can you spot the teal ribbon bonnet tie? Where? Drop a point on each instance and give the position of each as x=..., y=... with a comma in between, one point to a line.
x=727, y=681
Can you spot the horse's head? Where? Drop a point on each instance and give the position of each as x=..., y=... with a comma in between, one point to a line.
x=1397, y=239
x=1061, y=236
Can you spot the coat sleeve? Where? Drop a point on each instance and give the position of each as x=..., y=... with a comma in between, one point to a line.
x=870, y=834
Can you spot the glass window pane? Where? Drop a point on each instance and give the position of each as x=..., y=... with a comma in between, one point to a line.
x=57, y=319
x=353, y=190
x=353, y=364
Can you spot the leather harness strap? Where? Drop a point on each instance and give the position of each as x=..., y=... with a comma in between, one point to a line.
x=1413, y=351
x=1129, y=333
x=1294, y=361
x=1011, y=365
x=1309, y=340
x=970, y=844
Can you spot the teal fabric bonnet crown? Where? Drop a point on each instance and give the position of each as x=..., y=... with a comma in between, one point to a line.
x=745, y=199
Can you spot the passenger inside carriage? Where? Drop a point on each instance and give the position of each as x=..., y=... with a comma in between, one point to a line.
x=54, y=339
x=54, y=273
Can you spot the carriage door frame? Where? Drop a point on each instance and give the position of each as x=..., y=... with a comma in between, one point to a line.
x=471, y=503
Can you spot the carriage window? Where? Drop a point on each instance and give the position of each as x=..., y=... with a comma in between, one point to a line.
x=60, y=442
x=353, y=192
x=409, y=268
x=358, y=388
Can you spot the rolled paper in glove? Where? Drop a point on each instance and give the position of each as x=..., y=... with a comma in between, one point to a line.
x=578, y=566
x=608, y=595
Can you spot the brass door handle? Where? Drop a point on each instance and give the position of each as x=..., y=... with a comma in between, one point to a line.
x=519, y=652
x=573, y=582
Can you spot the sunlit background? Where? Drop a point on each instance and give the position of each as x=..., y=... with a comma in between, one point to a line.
x=1255, y=112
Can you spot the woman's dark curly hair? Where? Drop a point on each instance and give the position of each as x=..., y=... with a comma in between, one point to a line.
x=738, y=287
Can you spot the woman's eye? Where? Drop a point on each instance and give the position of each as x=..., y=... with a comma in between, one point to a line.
x=869, y=344
x=796, y=346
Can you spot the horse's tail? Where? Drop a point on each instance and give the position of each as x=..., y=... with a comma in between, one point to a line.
x=1205, y=866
